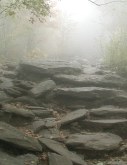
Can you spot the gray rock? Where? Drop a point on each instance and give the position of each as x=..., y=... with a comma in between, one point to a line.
x=13, y=136
x=36, y=71
x=55, y=159
x=13, y=92
x=6, y=83
x=108, y=112
x=9, y=74
x=26, y=100
x=117, y=126
x=6, y=159
x=28, y=159
x=94, y=141
x=43, y=113
x=24, y=84
x=90, y=80
x=116, y=162
x=4, y=97
x=50, y=133
x=43, y=87
x=62, y=150
x=44, y=123
x=16, y=116
x=86, y=93
x=74, y=116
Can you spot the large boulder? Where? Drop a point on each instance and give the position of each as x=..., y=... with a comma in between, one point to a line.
x=13, y=136
x=85, y=93
x=94, y=141
x=84, y=80
x=108, y=112
x=117, y=126
x=16, y=116
x=37, y=72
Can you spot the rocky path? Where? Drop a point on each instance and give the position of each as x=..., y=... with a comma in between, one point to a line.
x=61, y=113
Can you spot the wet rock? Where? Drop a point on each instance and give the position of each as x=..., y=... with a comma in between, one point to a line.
x=117, y=126
x=108, y=112
x=36, y=71
x=74, y=116
x=62, y=150
x=94, y=141
x=15, y=137
x=42, y=88
x=55, y=159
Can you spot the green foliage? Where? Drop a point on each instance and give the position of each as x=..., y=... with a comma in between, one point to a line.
x=37, y=8
x=116, y=52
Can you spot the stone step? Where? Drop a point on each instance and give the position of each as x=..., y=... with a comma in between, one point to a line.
x=55, y=159
x=74, y=116
x=37, y=71
x=91, y=97
x=11, y=135
x=84, y=80
x=117, y=126
x=86, y=93
x=60, y=149
x=94, y=141
x=95, y=145
x=108, y=112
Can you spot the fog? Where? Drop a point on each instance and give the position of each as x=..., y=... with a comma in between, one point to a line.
x=75, y=29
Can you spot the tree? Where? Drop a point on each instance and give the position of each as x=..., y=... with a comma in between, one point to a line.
x=106, y=3
x=37, y=8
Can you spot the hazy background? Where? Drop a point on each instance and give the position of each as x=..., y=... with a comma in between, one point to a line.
x=76, y=29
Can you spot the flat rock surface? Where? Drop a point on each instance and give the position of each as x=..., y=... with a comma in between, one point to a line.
x=62, y=150
x=43, y=123
x=6, y=159
x=90, y=80
x=43, y=87
x=94, y=141
x=13, y=136
x=55, y=159
x=49, y=68
x=117, y=126
x=74, y=116
x=89, y=93
x=109, y=112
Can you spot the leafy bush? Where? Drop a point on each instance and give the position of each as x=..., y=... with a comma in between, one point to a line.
x=116, y=52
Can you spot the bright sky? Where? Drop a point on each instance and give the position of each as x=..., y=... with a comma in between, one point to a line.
x=78, y=10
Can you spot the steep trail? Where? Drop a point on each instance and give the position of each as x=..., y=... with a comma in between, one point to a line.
x=65, y=111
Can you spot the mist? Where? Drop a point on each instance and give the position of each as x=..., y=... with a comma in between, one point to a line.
x=78, y=30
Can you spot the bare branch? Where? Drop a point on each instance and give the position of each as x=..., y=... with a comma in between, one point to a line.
x=102, y=4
